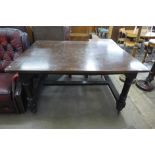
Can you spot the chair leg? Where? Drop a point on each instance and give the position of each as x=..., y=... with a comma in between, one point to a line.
x=134, y=51
x=145, y=55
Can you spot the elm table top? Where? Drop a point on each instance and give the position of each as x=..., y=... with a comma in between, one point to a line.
x=80, y=57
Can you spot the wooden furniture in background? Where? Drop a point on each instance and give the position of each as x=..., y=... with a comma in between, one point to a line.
x=110, y=32
x=149, y=46
x=80, y=33
x=139, y=33
x=121, y=36
x=130, y=40
x=79, y=36
x=115, y=31
x=134, y=36
x=30, y=34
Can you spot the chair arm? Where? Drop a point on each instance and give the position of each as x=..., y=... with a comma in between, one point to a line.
x=17, y=93
x=19, y=97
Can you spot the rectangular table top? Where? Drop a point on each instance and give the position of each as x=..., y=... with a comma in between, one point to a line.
x=148, y=35
x=103, y=56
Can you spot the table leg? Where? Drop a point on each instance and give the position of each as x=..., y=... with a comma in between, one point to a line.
x=70, y=76
x=146, y=84
x=86, y=76
x=27, y=83
x=122, y=98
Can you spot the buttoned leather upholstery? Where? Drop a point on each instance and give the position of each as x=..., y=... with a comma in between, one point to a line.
x=12, y=43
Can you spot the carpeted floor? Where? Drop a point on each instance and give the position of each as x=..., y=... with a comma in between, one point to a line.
x=86, y=107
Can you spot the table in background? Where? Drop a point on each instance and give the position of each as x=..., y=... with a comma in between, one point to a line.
x=145, y=34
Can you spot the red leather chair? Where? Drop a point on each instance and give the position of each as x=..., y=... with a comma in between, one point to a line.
x=12, y=43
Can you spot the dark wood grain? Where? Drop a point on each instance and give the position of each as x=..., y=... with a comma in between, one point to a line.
x=76, y=57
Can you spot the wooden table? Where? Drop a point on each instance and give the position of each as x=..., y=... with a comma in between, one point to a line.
x=147, y=35
x=77, y=57
x=144, y=34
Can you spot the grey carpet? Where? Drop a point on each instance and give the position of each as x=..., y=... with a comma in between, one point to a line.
x=73, y=107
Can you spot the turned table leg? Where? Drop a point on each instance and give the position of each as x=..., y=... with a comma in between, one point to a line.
x=127, y=84
x=146, y=84
x=27, y=84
